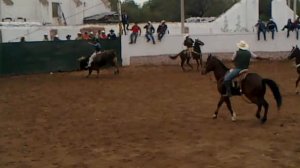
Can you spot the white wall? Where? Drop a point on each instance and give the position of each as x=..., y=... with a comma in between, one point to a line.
x=34, y=11
x=281, y=12
x=217, y=43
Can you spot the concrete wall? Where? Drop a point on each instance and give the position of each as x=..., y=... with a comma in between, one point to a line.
x=217, y=43
x=34, y=11
x=281, y=12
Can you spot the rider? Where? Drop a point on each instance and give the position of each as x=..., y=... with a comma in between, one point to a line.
x=241, y=59
x=188, y=42
x=97, y=47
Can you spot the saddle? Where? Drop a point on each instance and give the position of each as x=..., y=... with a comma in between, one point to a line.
x=237, y=81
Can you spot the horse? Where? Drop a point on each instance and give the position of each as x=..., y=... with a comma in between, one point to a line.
x=295, y=53
x=252, y=86
x=196, y=55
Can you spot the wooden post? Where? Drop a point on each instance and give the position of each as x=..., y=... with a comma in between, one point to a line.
x=182, y=16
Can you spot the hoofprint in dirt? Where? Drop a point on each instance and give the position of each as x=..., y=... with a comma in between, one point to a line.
x=154, y=116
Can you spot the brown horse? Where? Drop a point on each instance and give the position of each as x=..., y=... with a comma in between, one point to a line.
x=295, y=53
x=253, y=87
x=196, y=55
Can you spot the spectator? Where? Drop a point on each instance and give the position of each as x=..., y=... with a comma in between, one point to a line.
x=79, y=36
x=161, y=30
x=289, y=26
x=112, y=35
x=149, y=32
x=135, y=32
x=125, y=22
x=188, y=42
x=296, y=26
x=56, y=38
x=272, y=27
x=261, y=28
x=46, y=37
x=85, y=36
x=103, y=35
x=22, y=39
x=68, y=37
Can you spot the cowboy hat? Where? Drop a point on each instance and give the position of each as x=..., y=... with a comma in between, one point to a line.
x=242, y=45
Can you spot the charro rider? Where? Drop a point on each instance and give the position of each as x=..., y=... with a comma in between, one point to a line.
x=241, y=59
x=188, y=42
x=97, y=47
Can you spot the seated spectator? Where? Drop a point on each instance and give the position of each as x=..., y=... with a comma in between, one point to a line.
x=296, y=26
x=289, y=26
x=135, y=32
x=149, y=32
x=161, y=30
x=261, y=28
x=103, y=36
x=22, y=39
x=272, y=27
x=112, y=35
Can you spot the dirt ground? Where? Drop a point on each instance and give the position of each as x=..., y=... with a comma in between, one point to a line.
x=147, y=117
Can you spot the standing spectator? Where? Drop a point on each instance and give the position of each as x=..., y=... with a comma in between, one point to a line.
x=272, y=27
x=135, y=32
x=161, y=30
x=125, y=22
x=296, y=27
x=149, y=32
x=188, y=42
x=46, y=37
x=79, y=36
x=289, y=26
x=103, y=35
x=112, y=35
x=261, y=28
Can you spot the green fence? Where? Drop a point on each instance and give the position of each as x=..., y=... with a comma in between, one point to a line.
x=41, y=57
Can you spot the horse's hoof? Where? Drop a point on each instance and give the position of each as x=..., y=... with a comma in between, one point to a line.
x=215, y=116
x=257, y=115
x=263, y=120
x=233, y=117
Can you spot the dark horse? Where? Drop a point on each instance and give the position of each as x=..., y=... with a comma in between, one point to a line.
x=253, y=87
x=295, y=53
x=196, y=55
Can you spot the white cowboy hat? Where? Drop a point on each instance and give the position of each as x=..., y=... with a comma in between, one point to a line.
x=242, y=45
x=163, y=21
x=186, y=35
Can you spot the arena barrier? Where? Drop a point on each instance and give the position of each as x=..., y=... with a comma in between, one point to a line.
x=53, y=56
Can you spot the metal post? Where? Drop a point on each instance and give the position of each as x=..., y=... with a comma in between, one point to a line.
x=120, y=18
x=289, y=3
x=295, y=9
x=182, y=16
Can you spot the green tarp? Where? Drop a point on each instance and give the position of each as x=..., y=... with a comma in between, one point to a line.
x=52, y=56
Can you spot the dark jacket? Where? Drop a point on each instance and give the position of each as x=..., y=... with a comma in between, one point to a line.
x=188, y=42
x=242, y=59
x=162, y=28
x=149, y=29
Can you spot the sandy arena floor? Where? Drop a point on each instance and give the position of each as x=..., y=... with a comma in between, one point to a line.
x=147, y=117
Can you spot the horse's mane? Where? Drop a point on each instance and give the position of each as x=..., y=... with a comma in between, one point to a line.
x=219, y=62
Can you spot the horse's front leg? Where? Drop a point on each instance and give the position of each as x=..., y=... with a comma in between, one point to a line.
x=182, y=64
x=297, y=82
x=188, y=62
x=221, y=101
x=197, y=64
x=228, y=103
x=90, y=72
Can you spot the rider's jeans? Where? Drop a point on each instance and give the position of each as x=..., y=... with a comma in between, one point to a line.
x=232, y=74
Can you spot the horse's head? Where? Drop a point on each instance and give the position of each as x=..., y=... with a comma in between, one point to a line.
x=199, y=42
x=210, y=64
x=294, y=53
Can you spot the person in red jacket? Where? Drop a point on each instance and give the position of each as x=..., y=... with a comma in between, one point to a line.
x=136, y=30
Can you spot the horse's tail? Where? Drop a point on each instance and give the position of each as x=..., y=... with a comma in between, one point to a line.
x=174, y=57
x=275, y=90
